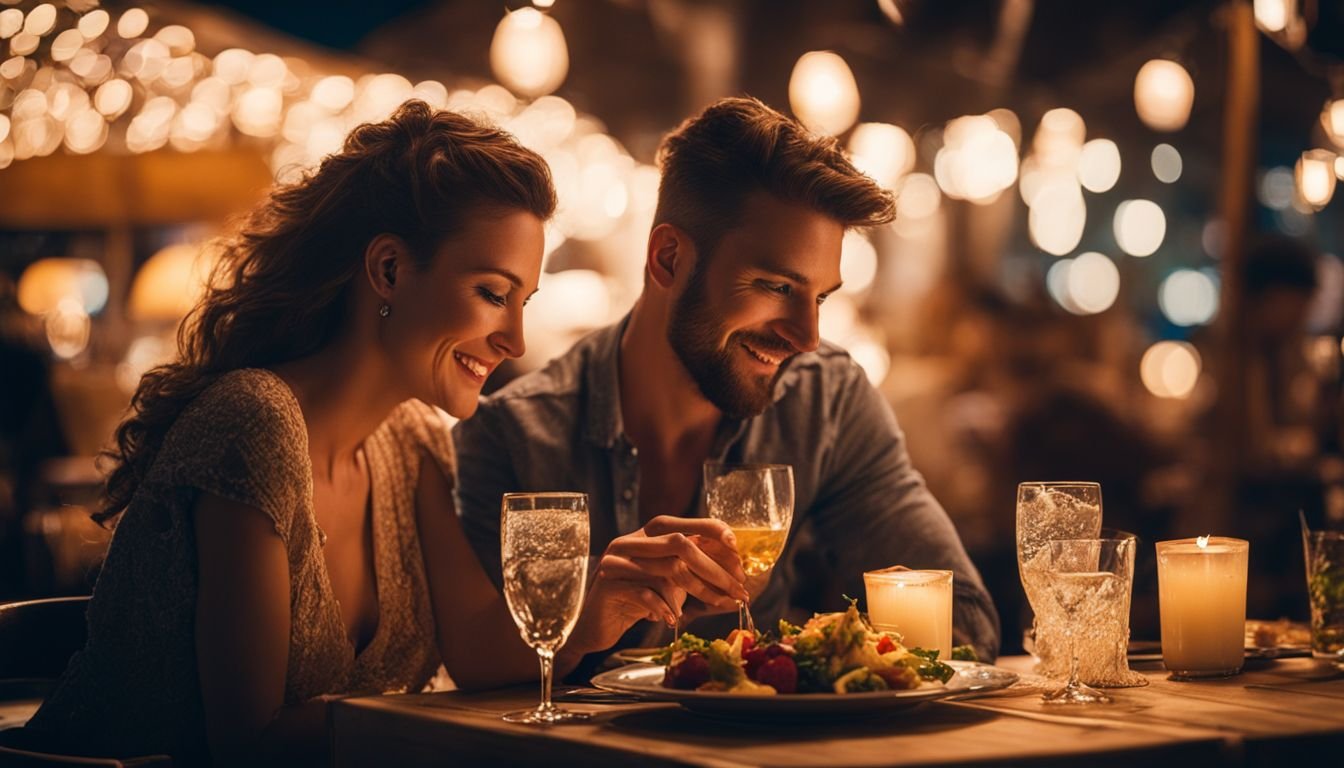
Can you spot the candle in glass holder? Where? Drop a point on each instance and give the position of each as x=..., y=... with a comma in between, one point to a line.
x=1201, y=587
x=917, y=605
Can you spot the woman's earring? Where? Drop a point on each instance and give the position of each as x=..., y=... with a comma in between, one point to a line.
x=385, y=310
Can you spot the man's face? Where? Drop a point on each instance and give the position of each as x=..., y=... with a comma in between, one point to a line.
x=751, y=306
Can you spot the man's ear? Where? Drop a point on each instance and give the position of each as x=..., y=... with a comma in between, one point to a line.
x=384, y=260
x=670, y=253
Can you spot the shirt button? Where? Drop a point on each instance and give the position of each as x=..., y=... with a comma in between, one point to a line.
x=628, y=494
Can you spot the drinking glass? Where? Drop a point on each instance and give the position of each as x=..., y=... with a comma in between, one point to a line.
x=756, y=501
x=1088, y=579
x=1046, y=511
x=1324, y=552
x=544, y=548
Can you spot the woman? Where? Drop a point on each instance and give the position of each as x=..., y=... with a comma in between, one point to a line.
x=282, y=493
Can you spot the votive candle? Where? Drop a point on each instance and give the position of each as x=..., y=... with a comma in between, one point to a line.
x=1201, y=586
x=917, y=605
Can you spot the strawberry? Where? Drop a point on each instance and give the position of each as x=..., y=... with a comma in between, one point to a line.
x=691, y=673
x=754, y=658
x=779, y=673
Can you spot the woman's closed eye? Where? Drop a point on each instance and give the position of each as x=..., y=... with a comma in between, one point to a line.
x=498, y=300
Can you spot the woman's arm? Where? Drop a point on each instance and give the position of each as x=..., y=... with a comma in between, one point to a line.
x=644, y=575
x=242, y=640
x=478, y=642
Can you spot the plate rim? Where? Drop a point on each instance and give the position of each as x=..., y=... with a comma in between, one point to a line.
x=848, y=699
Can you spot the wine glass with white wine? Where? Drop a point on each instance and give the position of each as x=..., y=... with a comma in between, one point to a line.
x=756, y=501
x=544, y=548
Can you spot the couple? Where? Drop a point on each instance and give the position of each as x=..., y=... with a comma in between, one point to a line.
x=287, y=501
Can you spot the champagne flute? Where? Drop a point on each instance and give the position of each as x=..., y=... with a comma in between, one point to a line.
x=544, y=548
x=756, y=501
x=1087, y=578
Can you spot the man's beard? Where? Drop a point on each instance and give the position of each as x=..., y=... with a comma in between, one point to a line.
x=694, y=333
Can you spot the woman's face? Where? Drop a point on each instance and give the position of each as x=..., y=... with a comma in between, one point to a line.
x=453, y=322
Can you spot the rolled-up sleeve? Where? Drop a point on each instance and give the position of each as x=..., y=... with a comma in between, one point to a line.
x=873, y=510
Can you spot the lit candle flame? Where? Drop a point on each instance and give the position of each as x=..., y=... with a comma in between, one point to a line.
x=1202, y=541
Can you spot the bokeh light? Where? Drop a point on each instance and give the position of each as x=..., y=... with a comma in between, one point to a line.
x=884, y=151
x=1099, y=165
x=1315, y=177
x=1170, y=369
x=1057, y=217
x=858, y=262
x=45, y=283
x=1093, y=283
x=528, y=53
x=1332, y=120
x=1140, y=227
x=977, y=161
x=67, y=327
x=1277, y=188
x=1188, y=297
x=1163, y=95
x=132, y=23
x=1167, y=164
x=823, y=93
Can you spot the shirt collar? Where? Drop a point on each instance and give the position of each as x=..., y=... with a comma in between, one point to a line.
x=602, y=387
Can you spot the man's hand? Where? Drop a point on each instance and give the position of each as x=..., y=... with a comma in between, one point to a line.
x=650, y=574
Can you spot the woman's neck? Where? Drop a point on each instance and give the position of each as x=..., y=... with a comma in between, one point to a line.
x=345, y=392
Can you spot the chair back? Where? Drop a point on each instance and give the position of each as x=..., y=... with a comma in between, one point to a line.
x=38, y=637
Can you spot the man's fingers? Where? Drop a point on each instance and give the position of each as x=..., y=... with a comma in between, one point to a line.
x=643, y=602
x=691, y=526
x=678, y=573
x=679, y=546
x=625, y=574
x=726, y=556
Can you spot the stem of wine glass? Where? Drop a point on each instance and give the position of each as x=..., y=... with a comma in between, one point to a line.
x=547, y=658
x=1073, y=655
x=744, y=621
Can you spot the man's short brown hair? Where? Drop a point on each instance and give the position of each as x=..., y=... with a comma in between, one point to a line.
x=713, y=161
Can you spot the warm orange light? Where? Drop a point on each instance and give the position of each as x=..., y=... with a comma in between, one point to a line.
x=170, y=283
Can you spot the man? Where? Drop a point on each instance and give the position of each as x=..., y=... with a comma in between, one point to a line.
x=720, y=359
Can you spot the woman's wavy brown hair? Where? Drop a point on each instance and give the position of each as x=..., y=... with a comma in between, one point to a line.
x=280, y=290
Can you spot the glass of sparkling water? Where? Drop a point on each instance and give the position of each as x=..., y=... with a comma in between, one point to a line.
x=1047, y=511
x=1090, y=581
x=544, y=548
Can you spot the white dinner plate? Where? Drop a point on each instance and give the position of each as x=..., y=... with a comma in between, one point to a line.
x=646, y=681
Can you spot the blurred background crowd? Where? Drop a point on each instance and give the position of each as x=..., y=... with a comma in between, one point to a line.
x=1114, y=258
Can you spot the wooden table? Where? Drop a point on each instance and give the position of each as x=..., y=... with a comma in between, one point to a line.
x=1280, y=712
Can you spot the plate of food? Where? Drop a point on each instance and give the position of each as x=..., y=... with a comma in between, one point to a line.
x=836, y=663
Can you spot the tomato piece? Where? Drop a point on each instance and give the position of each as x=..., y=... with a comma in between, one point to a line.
x=885, y=645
